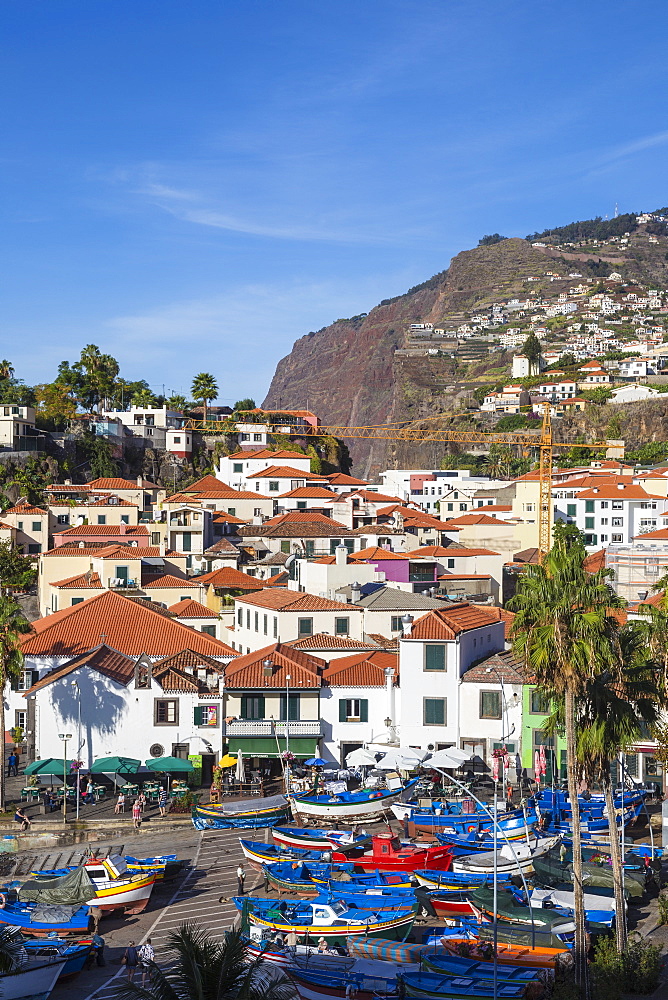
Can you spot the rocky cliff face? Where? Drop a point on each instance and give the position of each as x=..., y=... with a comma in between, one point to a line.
x=349, y=372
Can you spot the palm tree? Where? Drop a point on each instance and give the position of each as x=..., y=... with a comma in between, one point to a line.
x=615, y=711
x=144, y=398
x=204, y=388
x=207, y=969
x=13, y=626
x=6, y=369
x=655, y=625
x=565, y=634
x=176, y=402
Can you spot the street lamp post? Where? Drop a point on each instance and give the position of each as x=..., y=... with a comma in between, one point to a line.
x=288, y=678
x=75, y=684
x=65, y=737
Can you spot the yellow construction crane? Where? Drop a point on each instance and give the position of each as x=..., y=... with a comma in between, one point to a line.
x=541, y=439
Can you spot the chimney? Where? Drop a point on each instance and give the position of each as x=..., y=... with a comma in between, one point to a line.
x=341, y=553
x=355, y=593
x=621, y=486
x=407, y=623
x=163, y=545
x=123, y=526
x=140, y=482
x=68, y=482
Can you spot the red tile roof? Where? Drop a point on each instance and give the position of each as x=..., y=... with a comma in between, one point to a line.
x=267, y=453
x=505, y=666
x=457, y=522
x=83, y=530
x=451, y=621
x=85, y=581
x=375, y=552
x=660, y=533
x=341, y=479
x=221, y=517
x=191, y=609
x=130, y=627
x=167, y=581
x=462, y=551
x=121, y=484
x=323, y=641
x=302, y=517
x=361, y=669
x=284, y=472
x=594, y=562
x=429, y=551
x=109, y=501
x=621, y=491
x=248, y=671
x=107, y=661
x=207, y=483
x=228, y=577
x=25, y=508
x=292, y=600
x=310, y=493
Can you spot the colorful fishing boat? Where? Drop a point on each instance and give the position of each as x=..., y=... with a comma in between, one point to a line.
x=74, y=954
x=509, y=858
x=248, y=814
x=318, y=839
x=166, y=866
x=389, y=854
x=348, y=807
x=260, y=854
x=445, y=904
x=472, y=842
x=446, y=819
x=379, y=900
x=37, y=920
x=510, y=910
x=455, y=965
x=433, y=985
x=116, y=887
x=331, y=921
x=599, y=906
x=305, y=879
x=33, y=981
x=543, y=955
x=458, y=880
x=555, y=867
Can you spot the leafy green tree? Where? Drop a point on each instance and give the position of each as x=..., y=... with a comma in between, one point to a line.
x=512, y=422
x=499, y=461
x=177, y=402
x=207, y=969
x=488, y=241
x=244, y=404
x=55, y=405
x=565, y=634
x=204, y=389
x=100, y=456
x=31, y=481
x=92, y=379
x=531, y=349
x=16, y=570
x=13, y=627
x=600, y=395
x=144, y=398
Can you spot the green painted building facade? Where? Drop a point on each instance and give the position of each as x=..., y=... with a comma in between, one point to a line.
x=535, y=710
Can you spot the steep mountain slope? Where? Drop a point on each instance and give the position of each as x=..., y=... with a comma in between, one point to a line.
x=350, y=372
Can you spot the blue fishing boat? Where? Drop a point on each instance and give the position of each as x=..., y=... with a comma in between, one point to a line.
x=165, y=867
x=260, y=854
x=514, y=824
x=38, y=920
x=247, y=814
x=349, y=807
x=458, y=880
x=455, y=965
x=308, y=879
x=74, y=953
x=468, y=843
x=312, y=920
x=378, y=900
x=433, y=986
x=310, y=838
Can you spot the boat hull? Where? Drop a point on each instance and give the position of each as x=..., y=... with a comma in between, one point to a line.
x=35, y=983
x=392, y=929
x=312, y=840
x=353, y=808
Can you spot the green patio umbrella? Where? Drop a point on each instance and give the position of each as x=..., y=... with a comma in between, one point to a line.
x=50, y=765
x=115, y=765
x=172, y=765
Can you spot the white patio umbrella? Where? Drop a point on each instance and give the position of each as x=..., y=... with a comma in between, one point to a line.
x=240, y=772
x=452, y=757
x=401, y=759
x=361, y=758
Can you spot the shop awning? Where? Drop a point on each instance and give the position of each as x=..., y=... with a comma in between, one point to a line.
x=265, y=746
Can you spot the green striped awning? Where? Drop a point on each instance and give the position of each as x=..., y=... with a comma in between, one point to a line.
x=265, y=746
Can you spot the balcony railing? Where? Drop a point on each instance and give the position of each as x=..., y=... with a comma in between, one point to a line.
x=265, y=727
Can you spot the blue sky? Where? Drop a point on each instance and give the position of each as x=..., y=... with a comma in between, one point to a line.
x=192, y=186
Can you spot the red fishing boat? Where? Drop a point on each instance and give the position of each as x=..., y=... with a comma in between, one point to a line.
x=388, y=854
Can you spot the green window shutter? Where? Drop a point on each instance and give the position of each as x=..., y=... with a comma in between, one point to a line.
x=364, y=710
x=589, y=506
x=571, y=509
x=198, y=715
x=342, y=710
x=434, y=712
x=434, y=657
x=589, y=523
x=349, y=544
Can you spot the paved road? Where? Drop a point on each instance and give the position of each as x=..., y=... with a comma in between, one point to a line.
x=215, y=857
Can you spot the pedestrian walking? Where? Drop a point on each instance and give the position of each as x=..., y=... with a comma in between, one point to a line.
x=241, y=878
x=120, y=803
x=136, y=815
x=146, y=960
x=141, y=799
x=98, y=948
x=12, y=764
x=406, y=820
x=130, y=960
x=162, y=802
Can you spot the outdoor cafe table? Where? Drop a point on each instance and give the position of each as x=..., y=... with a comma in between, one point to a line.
x=130, y=789
x=30, y=792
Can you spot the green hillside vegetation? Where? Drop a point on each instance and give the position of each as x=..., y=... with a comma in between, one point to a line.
x=588, y=229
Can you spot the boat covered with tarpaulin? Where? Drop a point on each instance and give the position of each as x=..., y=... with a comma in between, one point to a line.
x=348, y=807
